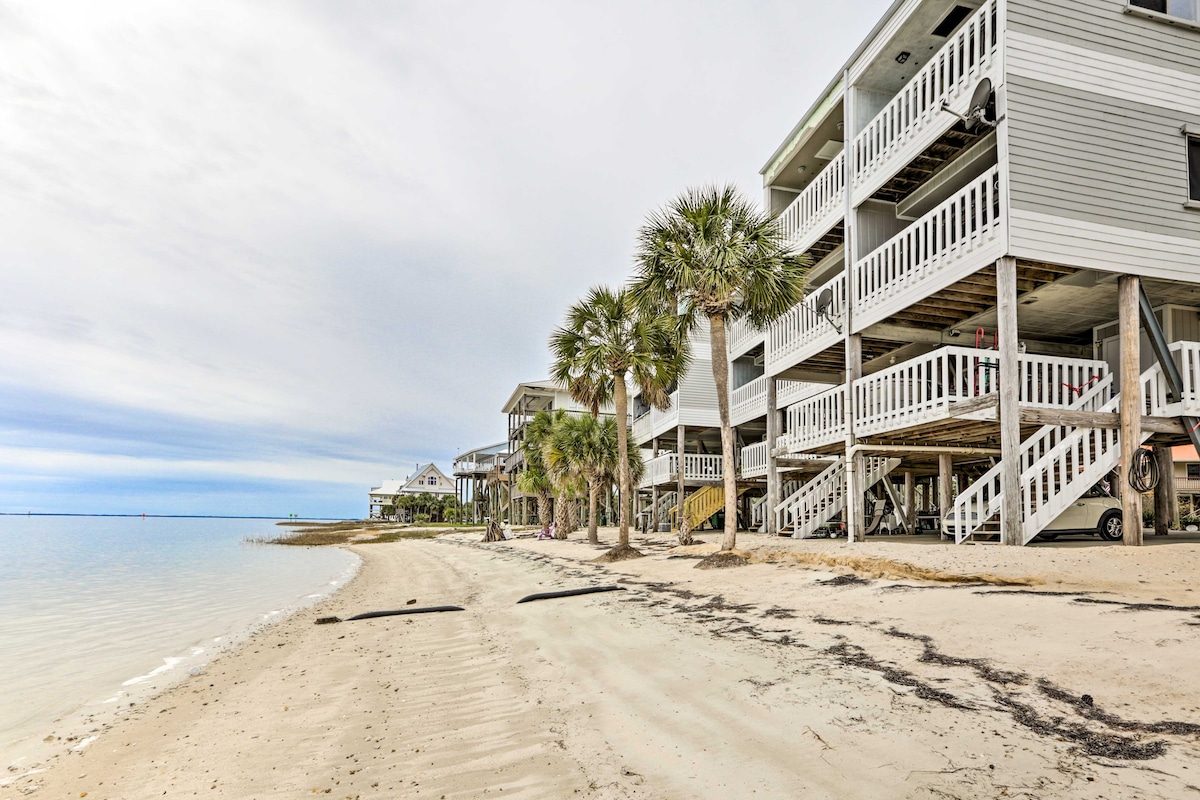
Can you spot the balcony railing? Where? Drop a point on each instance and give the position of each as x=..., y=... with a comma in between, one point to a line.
x=655, y=422
x=802, y=332
x=696, y=467
x=818, y=207
x=919, y=261
x=815, y=421
x=750, y=401
x=923, y=389
x=914, y=118
x=754, y=460
x=743, y=337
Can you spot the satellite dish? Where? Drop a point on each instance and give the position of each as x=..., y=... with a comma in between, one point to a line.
x=821, y=307
x=979, y=103
x=977, y=112
x=824, y=301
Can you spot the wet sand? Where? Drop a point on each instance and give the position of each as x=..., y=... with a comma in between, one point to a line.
x=778, y=680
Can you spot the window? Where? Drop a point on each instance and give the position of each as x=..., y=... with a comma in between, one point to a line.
x=1193, y=470
x=1188, y=10
x=1193, y=157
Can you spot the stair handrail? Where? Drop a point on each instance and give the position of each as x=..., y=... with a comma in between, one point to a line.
x=986, y=488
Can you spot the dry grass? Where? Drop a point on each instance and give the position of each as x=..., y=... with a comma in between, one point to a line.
x=876, y=567
x=308, y=534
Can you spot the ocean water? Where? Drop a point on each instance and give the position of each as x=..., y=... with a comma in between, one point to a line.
x=96, y=613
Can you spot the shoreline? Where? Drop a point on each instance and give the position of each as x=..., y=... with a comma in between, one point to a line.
x=75, y=730
x=780, y=679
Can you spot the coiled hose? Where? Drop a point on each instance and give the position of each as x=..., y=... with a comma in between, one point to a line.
x=1143, y=472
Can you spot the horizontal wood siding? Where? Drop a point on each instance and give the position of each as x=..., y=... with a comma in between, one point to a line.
x=1104, y=26
x=1097, y=163
x=698, y=395
x=1092, y=157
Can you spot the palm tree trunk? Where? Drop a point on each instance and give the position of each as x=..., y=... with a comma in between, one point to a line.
x=543, y=500
x=720, y=368
x=593, y=509
x=621, y=401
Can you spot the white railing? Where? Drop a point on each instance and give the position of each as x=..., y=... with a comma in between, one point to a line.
x=655, y=422
x=814, y=503
x=923, y=388
x=815, y=421
x=696, y=467
x=660, y=469
x=980, y=502
x=702, y=467
x=743, y=337
x=818, y=207
x=790, y=392
x=748, y=402
x=754, y=460
x=950, y=75
x=923, y=252
x=824, y=497
x=802, y=332
x=1187, y=358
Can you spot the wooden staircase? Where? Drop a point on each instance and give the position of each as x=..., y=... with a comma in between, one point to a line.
x=702, y=504
x=824, y=497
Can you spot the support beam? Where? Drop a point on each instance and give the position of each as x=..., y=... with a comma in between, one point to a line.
x=774, y=428
x=654, y=494
x=910, y=501
x=856, y=529
x=1096, y=419
x=679, y=496
x=1164, y=495
x=1010, y=407
x=1131, y=394
x=945, y=484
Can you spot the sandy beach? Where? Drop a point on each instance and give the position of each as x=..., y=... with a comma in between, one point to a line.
x=1038, y=672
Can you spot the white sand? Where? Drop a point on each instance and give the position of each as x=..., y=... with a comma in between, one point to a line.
x=662, y=691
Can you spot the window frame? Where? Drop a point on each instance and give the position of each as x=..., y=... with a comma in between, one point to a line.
x=1191, y=133
x=1188, y=471
x=1158, y=16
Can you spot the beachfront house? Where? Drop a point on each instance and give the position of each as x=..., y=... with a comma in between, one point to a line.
x=425, y=479
x=523, y=404
x=476, y=473
x=996, y=197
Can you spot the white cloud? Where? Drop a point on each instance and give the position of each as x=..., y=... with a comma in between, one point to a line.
x=358, y=216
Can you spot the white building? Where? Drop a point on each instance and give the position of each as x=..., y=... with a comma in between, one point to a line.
x=426, y=479
x=984, y=188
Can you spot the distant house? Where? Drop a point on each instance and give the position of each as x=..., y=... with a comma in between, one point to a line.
x=427, y=479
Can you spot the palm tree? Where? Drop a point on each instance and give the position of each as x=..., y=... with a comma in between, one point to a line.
x=534, y=479
x=712, y=254
x=585, y=447
x=604, y=344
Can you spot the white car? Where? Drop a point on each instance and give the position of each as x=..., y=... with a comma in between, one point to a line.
x=1097, y=513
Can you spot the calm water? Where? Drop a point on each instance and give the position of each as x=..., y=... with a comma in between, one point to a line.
x=95, y=612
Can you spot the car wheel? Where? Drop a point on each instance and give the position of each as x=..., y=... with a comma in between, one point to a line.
x=1112, y=527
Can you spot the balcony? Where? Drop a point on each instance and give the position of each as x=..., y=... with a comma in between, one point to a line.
x=802, y=333
x=749, y=402
x=655, y=422
x=925, y=389
x=952, y=241
x=815, y=421
x=743, y=337
x=914, y=119
x=818, y=208
x=754, y=461
x=697, y=468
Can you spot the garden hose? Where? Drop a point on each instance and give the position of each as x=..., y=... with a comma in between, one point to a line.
x=1143, y=472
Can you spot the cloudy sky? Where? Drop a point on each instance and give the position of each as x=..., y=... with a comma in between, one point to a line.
x=257, y=256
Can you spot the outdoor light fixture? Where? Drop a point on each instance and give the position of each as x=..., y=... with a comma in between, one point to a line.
x=904, y=56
